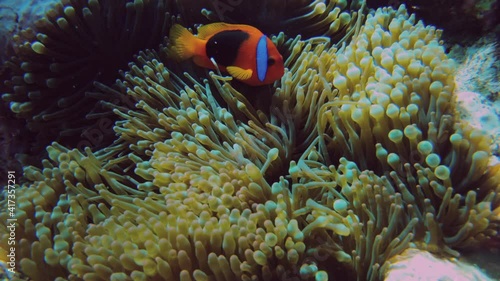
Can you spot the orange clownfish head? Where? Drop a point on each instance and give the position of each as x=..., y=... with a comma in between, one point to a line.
x=240, y=50
x=268, y=62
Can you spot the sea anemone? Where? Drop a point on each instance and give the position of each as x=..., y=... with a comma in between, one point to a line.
x=356, y=159
x=77, y=43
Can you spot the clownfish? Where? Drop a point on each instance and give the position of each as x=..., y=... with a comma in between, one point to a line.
x=240, y=50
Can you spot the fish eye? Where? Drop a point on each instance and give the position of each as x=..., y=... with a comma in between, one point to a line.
x=271, y=61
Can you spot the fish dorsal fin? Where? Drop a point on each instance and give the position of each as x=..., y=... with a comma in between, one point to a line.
x=239, y=73
x=207, y=30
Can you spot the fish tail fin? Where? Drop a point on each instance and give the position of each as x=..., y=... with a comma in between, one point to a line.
x=183, y=43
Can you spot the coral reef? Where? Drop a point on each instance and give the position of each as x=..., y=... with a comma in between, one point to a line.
x=356, y=159
x=478, y=71
x=477, y=93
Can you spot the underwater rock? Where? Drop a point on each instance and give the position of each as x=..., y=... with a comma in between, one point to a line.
x=414, y=265
x=477, y=92
x=16, y=15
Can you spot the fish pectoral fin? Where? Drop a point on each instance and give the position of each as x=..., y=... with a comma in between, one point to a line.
x=239, y=73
